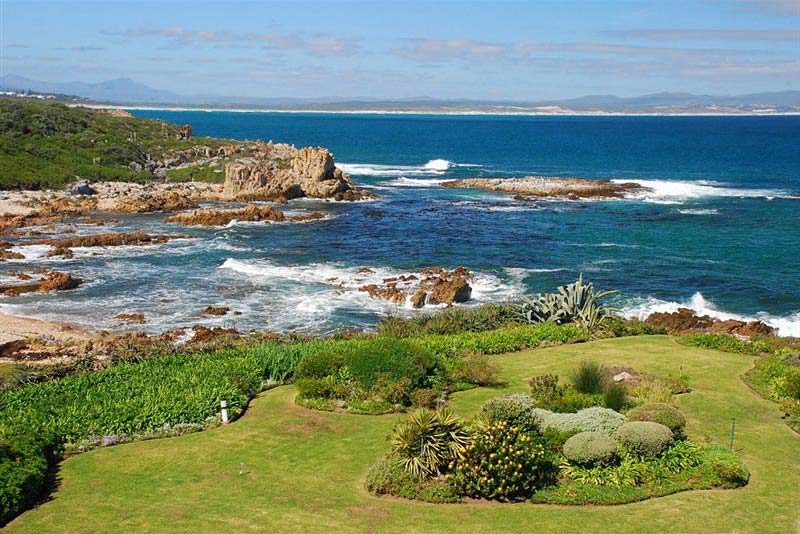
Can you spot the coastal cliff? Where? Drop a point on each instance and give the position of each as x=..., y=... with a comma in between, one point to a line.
x=279, y=170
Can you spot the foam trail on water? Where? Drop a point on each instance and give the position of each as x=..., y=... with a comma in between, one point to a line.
x=641, y=308
x=677, y=191
x=434, y=167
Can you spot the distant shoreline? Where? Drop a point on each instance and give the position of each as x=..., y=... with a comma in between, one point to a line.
x=570, y=113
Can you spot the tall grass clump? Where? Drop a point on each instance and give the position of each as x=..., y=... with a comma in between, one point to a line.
x=589, y=378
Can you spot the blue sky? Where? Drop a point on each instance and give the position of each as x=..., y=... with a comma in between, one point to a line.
x=481, y=50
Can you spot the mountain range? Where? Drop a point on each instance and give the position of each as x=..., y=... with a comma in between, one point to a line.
x=124, y=91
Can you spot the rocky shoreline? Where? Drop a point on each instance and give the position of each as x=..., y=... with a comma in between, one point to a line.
x=533, y=187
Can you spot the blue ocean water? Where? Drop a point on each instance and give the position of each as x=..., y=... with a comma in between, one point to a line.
x=718, y=231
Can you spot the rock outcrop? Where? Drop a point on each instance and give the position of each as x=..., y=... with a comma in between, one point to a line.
x=430, y=286
x=547, y=187
x=221, y=217
x=686, y=320
x=106, y=240
x=50, y=281
x=282, y=170
x=7, y=254
x=215, y=310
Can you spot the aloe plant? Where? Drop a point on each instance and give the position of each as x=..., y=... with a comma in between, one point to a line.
x=573, y=303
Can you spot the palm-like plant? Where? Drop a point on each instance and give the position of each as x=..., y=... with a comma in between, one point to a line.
x=428, y=441
x=573, y=303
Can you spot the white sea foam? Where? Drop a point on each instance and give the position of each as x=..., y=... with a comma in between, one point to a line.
x=699, y=212
x=415, y=182
x=31, y=252
x=434, y=167
x=641, y=308
x=677, y=191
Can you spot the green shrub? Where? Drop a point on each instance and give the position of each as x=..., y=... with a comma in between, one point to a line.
x=725, y=465
x=475, y=369
x=787, y=385
x=26, y=463
x=396, y=358
x=503, y=463
x=667, y=415
x=591, y=449
x=515, y=410
x=545, y=390
x=320, y=365
x=615, y=396
x=428, y=441
x=388, y=477
x=453, y=320
x=589, y=378
x=425, y=398
x=644, y=439
x=594, y=419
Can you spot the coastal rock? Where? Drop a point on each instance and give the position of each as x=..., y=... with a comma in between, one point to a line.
x=184, y=133
x=82, y=188
x=51, y=281
x=114, y=113
x=136, y=318
x=547, y=187
x=221, y=217
x=106, y=240
x=282, y=170
x=215, y=310
x=7, y=254
x=430, y=286
x=686, y=320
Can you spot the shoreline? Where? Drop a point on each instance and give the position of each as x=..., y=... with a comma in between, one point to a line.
x=464, y=113
x=20, y=327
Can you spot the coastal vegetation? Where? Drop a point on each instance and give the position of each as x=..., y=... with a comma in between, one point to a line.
x=279, y=451
x=46, y=145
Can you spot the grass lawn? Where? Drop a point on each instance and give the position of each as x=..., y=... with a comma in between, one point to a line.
x=285, y=468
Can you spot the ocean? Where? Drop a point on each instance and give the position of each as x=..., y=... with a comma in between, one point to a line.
x=718, y=231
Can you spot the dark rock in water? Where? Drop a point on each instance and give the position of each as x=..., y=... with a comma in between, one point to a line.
x=51, y=281
x=82, y=188
x=433, y=285
x=215, y=310
x=686, y=320
x=137, y=318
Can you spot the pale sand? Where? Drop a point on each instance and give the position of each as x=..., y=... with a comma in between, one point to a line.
x=14, y=328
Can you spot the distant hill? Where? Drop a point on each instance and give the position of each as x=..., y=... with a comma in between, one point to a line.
x=119, y=90
x=125, y=91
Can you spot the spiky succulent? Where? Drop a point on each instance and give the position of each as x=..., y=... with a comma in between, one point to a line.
x=573, y=303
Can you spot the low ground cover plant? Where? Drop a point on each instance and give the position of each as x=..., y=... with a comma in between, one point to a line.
x=777, y=377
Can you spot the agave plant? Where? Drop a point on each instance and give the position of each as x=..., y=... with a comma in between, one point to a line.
x=573, y=303
x=428, y=441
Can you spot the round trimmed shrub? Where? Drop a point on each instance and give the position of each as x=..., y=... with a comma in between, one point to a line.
x=658, y=412
x=515, y=410
x=645, y=439
x=590, y=449
x=594, y=419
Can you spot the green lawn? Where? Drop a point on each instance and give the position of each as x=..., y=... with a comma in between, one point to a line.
x=285, y=468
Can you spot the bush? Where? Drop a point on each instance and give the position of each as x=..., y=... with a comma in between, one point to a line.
x=591, y=449
x=425, y=398
x=428, y=441
x=589, y=378
x=474, y=369
x=644, y=439
x=319, y=365
x=615, y=396
x=388, y=477
x=665, y=414
x=515, y=410
x=503, y=463
x=729, y=469
x=594, y=419
x=724, y=342
x=26, y=463
x=451, y=321
x=545, y=390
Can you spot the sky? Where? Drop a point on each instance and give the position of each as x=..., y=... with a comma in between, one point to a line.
x=529, y=51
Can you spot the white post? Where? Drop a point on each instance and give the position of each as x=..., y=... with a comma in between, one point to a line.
x=224, y=405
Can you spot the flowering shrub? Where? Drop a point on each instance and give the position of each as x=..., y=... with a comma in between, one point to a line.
x=503, y=463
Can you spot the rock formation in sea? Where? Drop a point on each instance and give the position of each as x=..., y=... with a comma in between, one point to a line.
x=429, y=286
x=547, y=187
x=685, y=320
x=281, y=170
x=46, y=282
x=221, y=217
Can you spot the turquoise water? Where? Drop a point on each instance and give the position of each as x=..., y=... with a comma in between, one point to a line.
x=719, y=231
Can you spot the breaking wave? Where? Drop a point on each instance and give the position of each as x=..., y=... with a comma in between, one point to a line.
x=677, y=192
